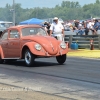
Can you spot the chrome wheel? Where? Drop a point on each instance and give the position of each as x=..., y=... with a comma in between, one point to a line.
x=29, y=58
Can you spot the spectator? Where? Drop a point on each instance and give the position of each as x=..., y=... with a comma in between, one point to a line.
x=80, y=29
x=86, y=27
x=99, y=24
x=1, y=33
x=56, y=28
x=76, y=23
x=47, y=26
x=95, y=27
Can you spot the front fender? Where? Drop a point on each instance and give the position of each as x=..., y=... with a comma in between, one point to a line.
x=42, y=52
x=31, y=47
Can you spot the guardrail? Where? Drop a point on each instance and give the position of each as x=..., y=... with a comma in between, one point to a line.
x=83, y=40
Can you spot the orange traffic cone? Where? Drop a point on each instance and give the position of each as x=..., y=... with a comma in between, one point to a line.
x=91, y=45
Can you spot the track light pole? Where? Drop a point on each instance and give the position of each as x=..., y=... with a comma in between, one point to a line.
x=14, y=12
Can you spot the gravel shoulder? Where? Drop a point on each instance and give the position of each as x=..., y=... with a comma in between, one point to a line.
x=14, y=93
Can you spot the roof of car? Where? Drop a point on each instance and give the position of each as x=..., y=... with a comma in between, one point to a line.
x=22, y=26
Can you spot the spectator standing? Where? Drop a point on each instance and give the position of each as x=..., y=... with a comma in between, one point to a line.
x=80, y=29
x=76, y=23
x=75, y=26
x=99, y=24
x=1, y=33
x=86, y=27
x=56, y=28
x=96, y=27
x=47, y=26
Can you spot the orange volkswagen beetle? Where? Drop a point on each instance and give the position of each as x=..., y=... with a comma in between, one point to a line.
x=29, y=42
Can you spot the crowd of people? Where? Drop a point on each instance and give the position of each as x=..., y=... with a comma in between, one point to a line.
x=79, y=27
x=83, y=27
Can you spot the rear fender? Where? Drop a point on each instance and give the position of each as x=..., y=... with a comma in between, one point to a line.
x=1, y=53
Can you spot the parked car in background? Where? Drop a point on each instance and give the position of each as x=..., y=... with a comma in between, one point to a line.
x=5, y=24
x=29, y=42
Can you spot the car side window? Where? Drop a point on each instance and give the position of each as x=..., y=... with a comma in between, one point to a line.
x=14, y=34
x=4, y=36
x=28, y=31
x=33, y=31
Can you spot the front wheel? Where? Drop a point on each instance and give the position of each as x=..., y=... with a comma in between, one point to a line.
x=61, y=59
x=29, y=58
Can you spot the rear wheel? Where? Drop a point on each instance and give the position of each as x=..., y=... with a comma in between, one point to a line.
x=9, y=60
x=29, y=58
x=1, y=60
x=61, y=59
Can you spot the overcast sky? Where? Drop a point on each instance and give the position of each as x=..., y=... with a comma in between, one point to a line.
x=41, y=3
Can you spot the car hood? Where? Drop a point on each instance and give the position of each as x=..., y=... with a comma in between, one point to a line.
x=50, y=44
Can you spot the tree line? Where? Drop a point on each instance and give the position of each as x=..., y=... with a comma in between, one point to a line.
x=67, y=11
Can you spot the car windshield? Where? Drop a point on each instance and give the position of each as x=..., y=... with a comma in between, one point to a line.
x=33, y=31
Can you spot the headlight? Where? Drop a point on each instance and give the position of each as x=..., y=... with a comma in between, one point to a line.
x=38, y=47
x=63, y=45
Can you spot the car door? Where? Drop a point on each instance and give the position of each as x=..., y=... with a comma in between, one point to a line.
x=14, y=43
x=4, y=43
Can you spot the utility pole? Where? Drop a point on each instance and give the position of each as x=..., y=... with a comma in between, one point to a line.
x=14, y=12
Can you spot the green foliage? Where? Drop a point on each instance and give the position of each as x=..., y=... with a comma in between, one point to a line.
x=97, y=1
x=69, y=4
x=67, y=11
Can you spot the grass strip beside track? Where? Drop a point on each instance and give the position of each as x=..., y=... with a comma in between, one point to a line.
x=84, y=53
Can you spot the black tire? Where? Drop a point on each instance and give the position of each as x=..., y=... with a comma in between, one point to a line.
x=61, y=59
x=9, y=60
x=29, y=58
x=1, y=60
